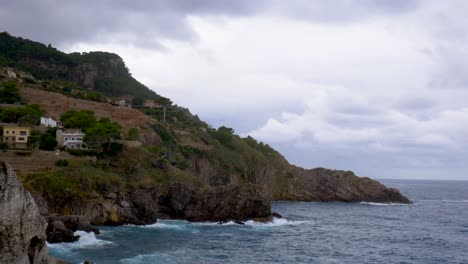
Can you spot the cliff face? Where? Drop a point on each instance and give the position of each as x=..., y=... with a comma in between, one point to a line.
x=175, y=200
x=22, y=228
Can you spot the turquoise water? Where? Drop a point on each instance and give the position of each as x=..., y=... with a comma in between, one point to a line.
x=432, y=230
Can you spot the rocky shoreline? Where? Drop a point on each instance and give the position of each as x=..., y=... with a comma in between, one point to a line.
x=239, y=203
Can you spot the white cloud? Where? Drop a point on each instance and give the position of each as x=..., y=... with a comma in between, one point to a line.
x=378, y=92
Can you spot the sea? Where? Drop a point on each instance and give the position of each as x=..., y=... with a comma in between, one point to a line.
x=434, y=229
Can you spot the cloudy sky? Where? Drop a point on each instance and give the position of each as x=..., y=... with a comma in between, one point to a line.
x=378, y=87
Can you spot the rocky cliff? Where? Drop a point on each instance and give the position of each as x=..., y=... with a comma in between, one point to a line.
x=22, y=228
x=146, y=205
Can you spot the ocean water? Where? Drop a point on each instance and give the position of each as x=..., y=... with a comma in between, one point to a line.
x=432, y=230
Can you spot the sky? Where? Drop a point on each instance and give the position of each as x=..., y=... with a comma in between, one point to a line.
x=379, y=87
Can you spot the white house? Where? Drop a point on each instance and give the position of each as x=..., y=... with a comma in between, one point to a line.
x=70, y=138
x=49, y=122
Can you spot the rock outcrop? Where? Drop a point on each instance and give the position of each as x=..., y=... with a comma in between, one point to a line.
x=238, y=203
x=22, y=228
x=327, y=185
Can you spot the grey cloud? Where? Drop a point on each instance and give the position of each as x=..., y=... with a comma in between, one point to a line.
x=145, y=23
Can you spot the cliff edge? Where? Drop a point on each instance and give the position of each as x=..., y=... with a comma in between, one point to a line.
x=22, y=228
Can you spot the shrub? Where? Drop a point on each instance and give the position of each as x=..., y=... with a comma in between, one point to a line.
x=3, y=146
x=82, y=152
x=61, y=163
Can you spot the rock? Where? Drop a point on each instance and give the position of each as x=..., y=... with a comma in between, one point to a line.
x=94, y=195
x=237, y=203
x=112, y=196
x=124, y=204
x=334, y=185
x=62, y=228
x=58, y=233
x=22, y=228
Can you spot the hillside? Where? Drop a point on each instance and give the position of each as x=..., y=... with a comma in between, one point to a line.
x=184, y=169
x=102, y=72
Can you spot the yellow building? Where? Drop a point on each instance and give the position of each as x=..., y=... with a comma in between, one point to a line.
x=16, y=136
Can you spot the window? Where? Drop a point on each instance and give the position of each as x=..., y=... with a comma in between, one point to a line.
x=66, y=138
x=13, y=132
x=23, y=133
x=73, y=138
x=8, y=132
x=21, y=139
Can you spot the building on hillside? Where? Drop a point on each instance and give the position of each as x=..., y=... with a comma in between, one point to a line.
x=15, y=136
x=70, y=138
x=121, y=103
x=49, y=122
x=151, y=104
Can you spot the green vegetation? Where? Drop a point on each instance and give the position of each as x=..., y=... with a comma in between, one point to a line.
x=24, y=115
x=83, y=119
x=189, y=150
x=109, y=74
x=102, y=133
x=3, y=146
x=47, y=140
x=9, y=93
x=61, y=163
x=133, y=133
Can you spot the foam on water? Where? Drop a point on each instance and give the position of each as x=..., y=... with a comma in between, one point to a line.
x=381, y=204
x=275, y=223
x=149, y=258
x=87, y=240
x=170, y=224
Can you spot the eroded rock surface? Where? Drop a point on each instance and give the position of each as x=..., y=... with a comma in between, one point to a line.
x=22, y=228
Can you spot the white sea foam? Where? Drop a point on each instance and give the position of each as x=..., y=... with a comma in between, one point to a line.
x=275, y=223
x=150, y=258
x=229, y=223
x=87, y=240
x=169, y=224
x=382, y=204
x=455, y=201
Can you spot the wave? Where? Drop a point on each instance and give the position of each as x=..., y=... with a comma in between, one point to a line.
x=150, y=258
x=274, y=223
x=382, y=204
x=87, y=240
x=183, y=225
x=455, y=201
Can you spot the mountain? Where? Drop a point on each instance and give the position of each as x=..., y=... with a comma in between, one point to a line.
x=97, y=71
x=183, y=169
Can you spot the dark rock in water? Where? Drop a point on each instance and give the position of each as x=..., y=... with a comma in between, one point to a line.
x=277, y=215
x=58, y=233
x=22, y=228
x=62, y=228
x=75, y=222
x=219, y=203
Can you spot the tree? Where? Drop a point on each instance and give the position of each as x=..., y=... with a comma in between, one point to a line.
x=102, y=133
x=163, y=101
x=224, y=135
x=48, y=140
x=83, y=119
x=9, y=93
x=26, y=115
